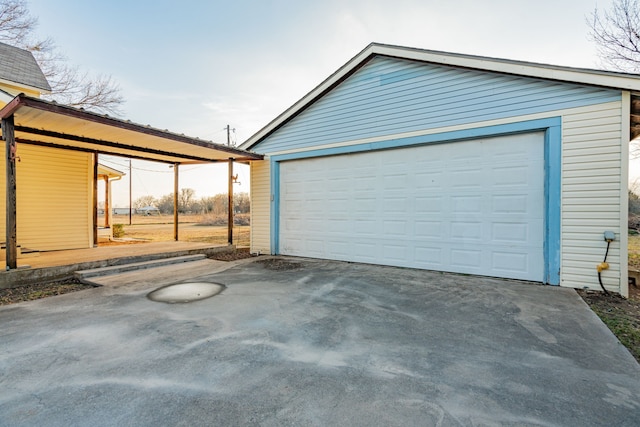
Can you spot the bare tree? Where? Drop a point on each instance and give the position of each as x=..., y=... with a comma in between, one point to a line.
x=186, y=199
x=242, y=202
x=144, y=201
x=617, y=34
x=165, y=204
x=69, y=85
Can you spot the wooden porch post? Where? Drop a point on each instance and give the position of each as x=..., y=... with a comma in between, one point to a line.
x=8, y=134
x=230, y=204
x=107, y=212
x=175, y=201
x=95, y=199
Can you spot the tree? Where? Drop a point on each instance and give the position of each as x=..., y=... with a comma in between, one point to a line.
x=207, y=204
x=242, y=202
x=220, y=204
x=144, y=201
x=617, y=34
x=69, y=85
x=165, y=204
x=186, y=199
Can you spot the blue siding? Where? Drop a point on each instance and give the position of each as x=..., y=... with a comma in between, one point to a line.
x=390, y=96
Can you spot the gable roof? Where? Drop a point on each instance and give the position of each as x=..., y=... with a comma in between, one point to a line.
x=18, y=66
x=606, y=79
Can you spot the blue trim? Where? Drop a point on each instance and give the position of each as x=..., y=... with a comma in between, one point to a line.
x=552, y=186
x=275, y=205
x=553, y=195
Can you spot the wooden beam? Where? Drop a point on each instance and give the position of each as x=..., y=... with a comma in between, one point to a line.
x=93, y=150
x=96, y=144
x=8, y=134
x=175, y=201
x=230, y=205
x=95, y=200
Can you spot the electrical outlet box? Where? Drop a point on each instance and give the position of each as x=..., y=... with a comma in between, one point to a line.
x=609, y=236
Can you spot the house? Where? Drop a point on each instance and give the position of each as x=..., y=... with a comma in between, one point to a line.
x=122, y=211
x=458, y=163
x=148, y=210
x=50, y=167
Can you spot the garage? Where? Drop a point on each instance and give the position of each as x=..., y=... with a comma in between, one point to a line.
x=473, y=207
x=452, y=162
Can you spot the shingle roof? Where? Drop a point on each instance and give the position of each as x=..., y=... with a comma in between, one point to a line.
x=19, y=66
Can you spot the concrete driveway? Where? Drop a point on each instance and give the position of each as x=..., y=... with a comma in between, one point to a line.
x=305, y=342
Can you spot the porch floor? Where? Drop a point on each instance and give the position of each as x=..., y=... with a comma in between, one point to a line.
x=57, y=263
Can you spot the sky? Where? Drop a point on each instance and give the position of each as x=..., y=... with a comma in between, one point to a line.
x=194, y=67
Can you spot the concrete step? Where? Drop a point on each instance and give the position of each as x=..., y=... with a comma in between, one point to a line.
x=116, y=269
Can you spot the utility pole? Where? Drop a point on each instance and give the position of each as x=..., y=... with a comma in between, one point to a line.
x=229, y=130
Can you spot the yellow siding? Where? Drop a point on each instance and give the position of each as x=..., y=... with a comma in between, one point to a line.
x=592, y=180
x=15, y=90
x=260, y=207
x=54, y=194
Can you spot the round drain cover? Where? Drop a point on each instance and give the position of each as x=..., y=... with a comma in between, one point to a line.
x=185, y=292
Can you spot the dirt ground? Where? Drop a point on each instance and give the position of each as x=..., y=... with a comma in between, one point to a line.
x=621, y=315
x=40, y=290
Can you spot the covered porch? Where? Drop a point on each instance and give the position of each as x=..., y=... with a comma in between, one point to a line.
x=34, y=122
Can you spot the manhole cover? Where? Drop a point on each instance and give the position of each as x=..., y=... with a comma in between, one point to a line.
x=185, y=292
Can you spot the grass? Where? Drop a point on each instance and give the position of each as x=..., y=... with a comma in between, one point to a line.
x=634, y=250
x=191, y=228
x=622, y=317
x=625, y=329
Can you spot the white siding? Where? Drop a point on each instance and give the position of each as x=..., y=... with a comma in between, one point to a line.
x=592, y=158
x=260, y=207
x=53, y=198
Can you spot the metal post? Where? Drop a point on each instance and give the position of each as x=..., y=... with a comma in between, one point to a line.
x=130, y=180
x=230, y=204
x=175, y=201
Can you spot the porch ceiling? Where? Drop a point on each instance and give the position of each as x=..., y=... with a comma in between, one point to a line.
x=44, y=123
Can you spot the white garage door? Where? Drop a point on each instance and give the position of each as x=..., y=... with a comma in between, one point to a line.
x=472, y=207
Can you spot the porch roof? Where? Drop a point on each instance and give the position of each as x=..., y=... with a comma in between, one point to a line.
x=44, y=123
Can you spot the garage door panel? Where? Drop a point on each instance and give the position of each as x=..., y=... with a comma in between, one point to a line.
x=472, y=207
